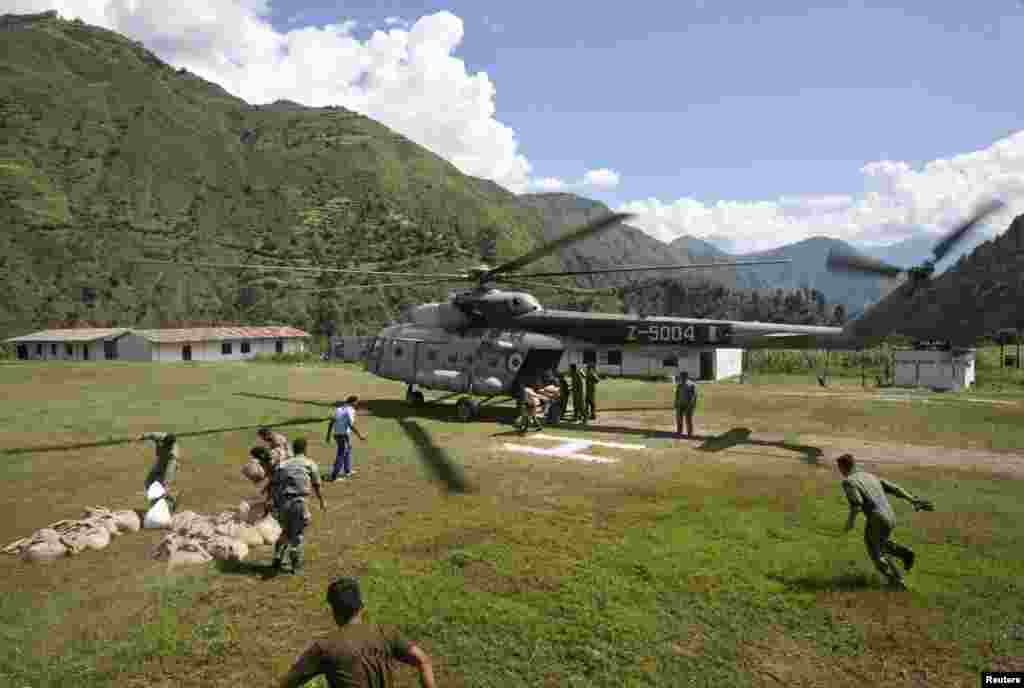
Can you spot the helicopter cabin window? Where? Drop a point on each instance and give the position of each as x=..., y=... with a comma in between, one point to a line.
x=453, y=358
x=398, y=352
x=670, y=362
x=614, y=358
x=432, y=355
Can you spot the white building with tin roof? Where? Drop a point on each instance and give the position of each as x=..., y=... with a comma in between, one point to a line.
x=80, y=344
x=187, y=344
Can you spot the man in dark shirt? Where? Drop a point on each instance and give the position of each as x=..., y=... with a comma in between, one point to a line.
x=356, y=654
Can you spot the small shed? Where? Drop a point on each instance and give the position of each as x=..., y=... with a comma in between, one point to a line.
x=943, y=369
x=701, y=363
x=211, y=343
x=79, y=344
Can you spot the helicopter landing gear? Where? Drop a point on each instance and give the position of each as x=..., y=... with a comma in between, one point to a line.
x=467, y=409
x=413, y=397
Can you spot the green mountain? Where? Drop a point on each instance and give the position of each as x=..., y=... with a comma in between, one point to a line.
x=624, y=245
x=107, y=154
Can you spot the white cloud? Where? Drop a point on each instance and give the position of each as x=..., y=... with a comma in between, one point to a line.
x=601, y=179
x=409, y=80
x=392, y=21
x=897, y=202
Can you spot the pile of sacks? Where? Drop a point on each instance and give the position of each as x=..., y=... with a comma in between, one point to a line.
x=65, y=538
x=197, y=539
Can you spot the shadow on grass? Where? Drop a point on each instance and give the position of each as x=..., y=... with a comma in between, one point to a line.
x=847, y=582
x=731, y=438
x=308, y=420
x=247, y=568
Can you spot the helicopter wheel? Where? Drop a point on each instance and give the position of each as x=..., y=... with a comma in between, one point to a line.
x=467, y=409
x=414, y=398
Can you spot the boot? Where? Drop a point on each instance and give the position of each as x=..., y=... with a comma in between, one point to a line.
x=297, y=564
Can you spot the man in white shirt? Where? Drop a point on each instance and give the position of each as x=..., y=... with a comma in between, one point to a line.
x=343, y=424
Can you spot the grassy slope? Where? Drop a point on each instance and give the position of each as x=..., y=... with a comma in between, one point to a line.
x=109, y=154
x=672, y=569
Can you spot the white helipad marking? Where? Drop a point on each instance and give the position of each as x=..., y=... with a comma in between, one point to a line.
x=571, y=448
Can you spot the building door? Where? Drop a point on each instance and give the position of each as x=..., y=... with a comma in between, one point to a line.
x=186, y=352
x=22, y=352
x=707, y=365
x=279, y=346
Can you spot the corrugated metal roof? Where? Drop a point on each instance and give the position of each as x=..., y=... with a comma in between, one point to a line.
x=204, y=334
x=82, y=334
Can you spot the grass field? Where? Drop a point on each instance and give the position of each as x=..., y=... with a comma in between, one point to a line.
x=715, y=561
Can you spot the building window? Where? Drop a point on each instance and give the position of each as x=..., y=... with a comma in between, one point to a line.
x=589, y=356
x=614, y=358
x=69, y=350
x=186, y=352
x=225, y=348
x=670, y=362
x=279, y=346
x=85, y=352
x=53, y=349
x=39, y=349
x=246, y=348
x=110, y=350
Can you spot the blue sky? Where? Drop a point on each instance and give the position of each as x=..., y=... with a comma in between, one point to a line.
x=722, y=100
x=764, y=123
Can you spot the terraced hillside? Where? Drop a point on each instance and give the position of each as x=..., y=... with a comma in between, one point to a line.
x=107, y=154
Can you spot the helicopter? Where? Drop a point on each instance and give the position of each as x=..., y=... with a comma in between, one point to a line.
x=490, y=342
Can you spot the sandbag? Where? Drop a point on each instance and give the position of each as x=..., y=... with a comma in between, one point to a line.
x=223, y=548
x=167, y=546
x=158, y=516
x=250, y=535
x=44, y=551
x=85, y=535
x=229, y=529
x=102, y=517
x=254, y=471
x=198, y=528
x=189, y=553
x=182, y=518
x=127, y=521
x=269, y=528
x=155, y=491
x=46, y=535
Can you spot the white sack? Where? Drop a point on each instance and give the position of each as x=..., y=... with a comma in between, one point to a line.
x=223, y=548
x=158, y=516
x=254, y=471
x=270, y=529
x=155, y=491
x=127, y=521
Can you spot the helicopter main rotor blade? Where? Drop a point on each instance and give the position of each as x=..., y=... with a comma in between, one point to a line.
x=641, y=268
x=957, y=234
x=523, y=284
x=295, y=268
x=841, y=261
x=436, y=459
x=587, y=230
x=343, y=287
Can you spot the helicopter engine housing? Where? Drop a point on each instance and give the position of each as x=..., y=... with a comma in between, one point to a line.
x=439, y=315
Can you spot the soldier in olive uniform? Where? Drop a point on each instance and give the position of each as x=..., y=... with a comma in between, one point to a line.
x=685, y=403
x=866, y=492
x=292, y=481
x=591, y=379
x=357, y=654
x=165, y=467
x=578, y=406
x=563, y=392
